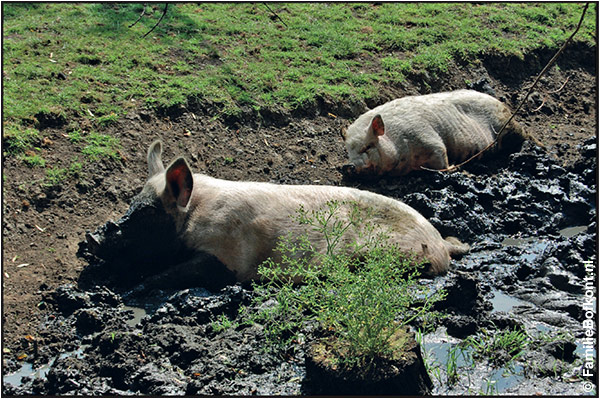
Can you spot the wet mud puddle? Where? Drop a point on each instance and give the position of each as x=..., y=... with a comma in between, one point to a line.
x=138, y=314
x=27, y=372
x=454, y=370
x=504, y=303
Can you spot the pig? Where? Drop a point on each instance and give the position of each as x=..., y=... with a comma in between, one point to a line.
x=432, y=131
x=241, y=223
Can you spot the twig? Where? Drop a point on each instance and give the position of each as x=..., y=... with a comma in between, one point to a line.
x=561, y=87
x=275, y=14
x=548, y=65
x=140, y=17
x=161, y=18
x=436, y=170
x=552, y=92
x=540, y=107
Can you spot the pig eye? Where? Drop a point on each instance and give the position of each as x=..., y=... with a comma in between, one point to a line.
x=366, y=148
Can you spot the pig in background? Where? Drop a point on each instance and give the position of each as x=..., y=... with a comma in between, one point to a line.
x=240, y=223
x=432, y=131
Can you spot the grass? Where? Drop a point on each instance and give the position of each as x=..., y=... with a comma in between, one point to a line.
x=544, y=337
x=490, y=388
x=18, y=140
x=33, y=160
x=71, y=58
x=56, y=176
x=83, y=63
x=361, y=304
x=100, y=146
x=222, y=323
x=452, y=373
x=493, y=356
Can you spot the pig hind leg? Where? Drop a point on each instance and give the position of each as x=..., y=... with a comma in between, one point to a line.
x=438, y=255
x=456, y=247
x=437, y=258
x=437, y=158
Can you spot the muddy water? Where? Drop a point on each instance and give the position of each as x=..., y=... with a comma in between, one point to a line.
x=27, y=372
x=138, y=314
x=530, y=222
x=454, y=371
x=504, y=303
x=572, y=231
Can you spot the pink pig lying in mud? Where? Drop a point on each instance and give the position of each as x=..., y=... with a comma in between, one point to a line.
x=241, y=222
x=432, y=131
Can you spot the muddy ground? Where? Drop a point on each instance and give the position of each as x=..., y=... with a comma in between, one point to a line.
x=530, y=218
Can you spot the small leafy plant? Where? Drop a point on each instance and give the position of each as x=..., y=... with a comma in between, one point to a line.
x=502, y=347
x=362, y=292
x=109, y=119
x=221, y=323
x=56, y=176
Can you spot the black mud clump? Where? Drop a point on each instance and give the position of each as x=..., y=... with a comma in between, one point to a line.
x=144, y=246
x=400, y=374
x=464, y=304
x=523, y=193
x=50, y=120
x=144, y=237
x=587, y=166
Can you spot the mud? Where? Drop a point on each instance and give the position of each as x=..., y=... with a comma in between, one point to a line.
x=518, y=213
x=123, y=321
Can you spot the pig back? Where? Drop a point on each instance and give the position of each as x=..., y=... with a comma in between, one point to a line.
x=241, y=222
x=404, y=226
x=463, y=121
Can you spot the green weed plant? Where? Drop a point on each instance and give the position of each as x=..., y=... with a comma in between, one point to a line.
x=363, y=295
x=33, y=160
x=101, y=146
x=56, y=176
x=501, y=347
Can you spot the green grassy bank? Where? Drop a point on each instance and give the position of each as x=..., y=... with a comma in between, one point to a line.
x=64, y=60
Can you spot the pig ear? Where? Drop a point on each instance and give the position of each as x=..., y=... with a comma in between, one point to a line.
x=180, y=181
x=377, y=126
x=344, y=132
x=155, y=165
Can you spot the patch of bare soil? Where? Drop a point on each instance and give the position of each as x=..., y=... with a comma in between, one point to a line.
x=42, y=226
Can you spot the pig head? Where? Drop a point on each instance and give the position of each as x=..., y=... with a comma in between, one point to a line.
x=241, y=223
x=432, y=131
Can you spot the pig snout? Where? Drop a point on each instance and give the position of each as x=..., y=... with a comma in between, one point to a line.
x=348, y=169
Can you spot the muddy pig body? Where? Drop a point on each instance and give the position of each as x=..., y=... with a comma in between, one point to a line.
x=432, y=131
x=241, y=222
